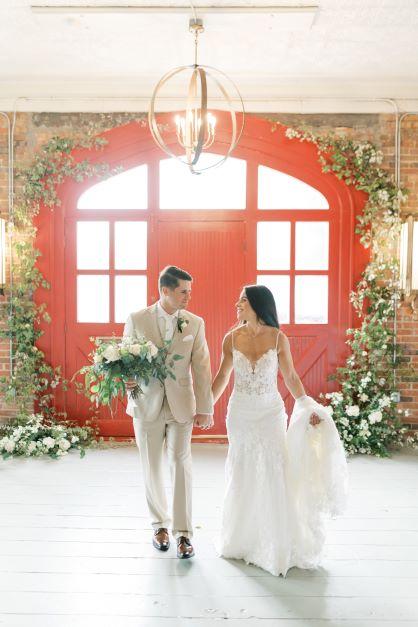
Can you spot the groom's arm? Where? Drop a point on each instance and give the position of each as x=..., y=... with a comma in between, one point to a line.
x=202, y=375
x=128, y=330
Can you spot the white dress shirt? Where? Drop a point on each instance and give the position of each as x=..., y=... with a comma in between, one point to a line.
x=166, y=322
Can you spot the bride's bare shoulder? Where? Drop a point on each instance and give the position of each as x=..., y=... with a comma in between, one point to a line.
x=227, y=341
x=282, y=340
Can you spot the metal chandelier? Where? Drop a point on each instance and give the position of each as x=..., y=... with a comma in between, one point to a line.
x=194, y=129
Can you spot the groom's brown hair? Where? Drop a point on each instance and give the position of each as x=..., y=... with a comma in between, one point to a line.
x=169, y=277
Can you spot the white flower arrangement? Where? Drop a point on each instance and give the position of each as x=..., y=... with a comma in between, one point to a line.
x=37, y=435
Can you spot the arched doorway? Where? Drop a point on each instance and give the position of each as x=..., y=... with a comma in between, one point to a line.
x=268, y=215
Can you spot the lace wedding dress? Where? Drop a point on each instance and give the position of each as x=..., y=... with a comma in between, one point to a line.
x=279, y=483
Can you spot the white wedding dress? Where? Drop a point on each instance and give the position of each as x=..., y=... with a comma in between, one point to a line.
x=279, y=483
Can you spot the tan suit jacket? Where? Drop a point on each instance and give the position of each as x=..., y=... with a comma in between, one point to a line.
x=186, y=396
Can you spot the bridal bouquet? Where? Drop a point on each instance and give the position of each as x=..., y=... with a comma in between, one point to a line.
x=115, y=361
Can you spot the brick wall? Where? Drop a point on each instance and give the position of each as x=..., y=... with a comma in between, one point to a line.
x=408, y=323
x=33, y=130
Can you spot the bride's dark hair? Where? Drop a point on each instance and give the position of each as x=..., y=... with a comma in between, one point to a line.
x=262, y=301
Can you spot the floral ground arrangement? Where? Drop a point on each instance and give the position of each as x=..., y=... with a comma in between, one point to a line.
x=36, y=436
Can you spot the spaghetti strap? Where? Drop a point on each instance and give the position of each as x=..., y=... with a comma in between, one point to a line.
x=277, y=339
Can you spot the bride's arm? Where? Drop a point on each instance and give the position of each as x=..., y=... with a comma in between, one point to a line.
x=225, y=368
x=290, y=376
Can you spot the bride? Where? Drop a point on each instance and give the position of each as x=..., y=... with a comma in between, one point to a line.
x=279, y=482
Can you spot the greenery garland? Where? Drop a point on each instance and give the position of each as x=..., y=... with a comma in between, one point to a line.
x=365, y=409
x=32, y=377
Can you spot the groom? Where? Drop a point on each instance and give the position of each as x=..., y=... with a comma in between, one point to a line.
x=166, y=412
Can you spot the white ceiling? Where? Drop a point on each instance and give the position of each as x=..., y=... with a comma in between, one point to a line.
x=73, y=60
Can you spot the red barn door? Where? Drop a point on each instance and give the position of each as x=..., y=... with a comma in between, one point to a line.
x=268, y=215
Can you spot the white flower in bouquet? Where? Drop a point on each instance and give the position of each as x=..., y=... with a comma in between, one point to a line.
x=74, y=439
x=352, y=410
x=111, y=353
x=152, y=349
x=64, y=445
x=98, y=358
x=363, y=397
x=48, y=442
x=375, y=416
x=135, y=349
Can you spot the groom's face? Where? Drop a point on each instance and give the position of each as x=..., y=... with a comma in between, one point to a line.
x=178, y=298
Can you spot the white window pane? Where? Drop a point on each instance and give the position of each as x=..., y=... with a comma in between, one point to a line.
x=92, y=245
x=127, y=190
x=277, y=190
x=130, y=245
x=311, y=246
x=273, y=245
x=280, y=287
x=311, y=299
x=92, y=298
x=130, y=295
x=219, y=188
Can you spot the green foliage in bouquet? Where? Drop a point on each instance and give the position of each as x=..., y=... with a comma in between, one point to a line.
x=117, y=361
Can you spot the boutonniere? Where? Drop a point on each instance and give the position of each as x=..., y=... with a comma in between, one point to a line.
x=182, y=323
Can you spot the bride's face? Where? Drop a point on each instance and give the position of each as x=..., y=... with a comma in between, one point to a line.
x=244, y=309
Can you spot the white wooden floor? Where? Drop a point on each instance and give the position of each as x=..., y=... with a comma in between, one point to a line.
x=75, y=551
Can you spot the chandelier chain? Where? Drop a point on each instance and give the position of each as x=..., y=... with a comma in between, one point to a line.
x=196, y=35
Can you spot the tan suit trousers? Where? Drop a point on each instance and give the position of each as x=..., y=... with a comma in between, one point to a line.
x=152, y=437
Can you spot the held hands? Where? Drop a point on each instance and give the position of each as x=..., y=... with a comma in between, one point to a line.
x=130, y=384
x=203, y=421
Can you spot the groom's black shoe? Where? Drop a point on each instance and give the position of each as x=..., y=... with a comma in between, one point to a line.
x=161, y=539
x=184, y=548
